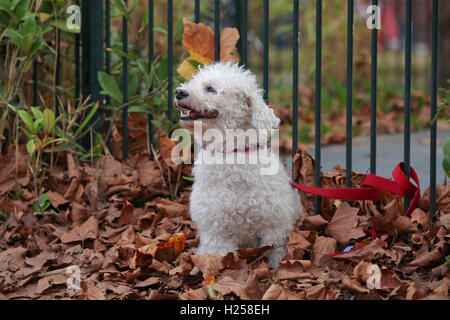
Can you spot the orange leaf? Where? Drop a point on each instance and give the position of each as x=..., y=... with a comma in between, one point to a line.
x=177, y=243
x=228, y=39
x=199, y=39
x=199, y=42
x=210, y=278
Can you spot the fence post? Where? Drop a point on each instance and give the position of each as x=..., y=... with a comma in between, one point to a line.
x=92, y=57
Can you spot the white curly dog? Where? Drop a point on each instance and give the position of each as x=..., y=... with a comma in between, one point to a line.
x=234, y=205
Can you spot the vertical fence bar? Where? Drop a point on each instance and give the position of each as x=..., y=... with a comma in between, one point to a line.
x=150, y=59
x=197, y=11
x=433, y=128
x=238, y=23
x=108, y=61
x=170, y=59
x=93, y=52
x=35, y=81
x=244, y=32
x=349, y=84
x=77, y=64
x=407, y=124
x=318, y=98
x=58, y=71
x=216, y=30
x=373, y=98
x=125, y=86
x=295, y=39
x=266, y=51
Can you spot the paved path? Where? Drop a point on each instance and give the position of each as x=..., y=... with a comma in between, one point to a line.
x=389, y=154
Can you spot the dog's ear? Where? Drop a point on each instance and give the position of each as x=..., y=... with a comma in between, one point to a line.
x=262, y=116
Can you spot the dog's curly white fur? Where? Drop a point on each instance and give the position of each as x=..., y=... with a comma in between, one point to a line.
x=233, y=205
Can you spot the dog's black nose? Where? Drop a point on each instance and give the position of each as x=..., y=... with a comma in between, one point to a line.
x=181, y=94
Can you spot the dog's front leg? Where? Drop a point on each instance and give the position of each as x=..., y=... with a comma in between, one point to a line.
x=211, y=242
x=277, y=238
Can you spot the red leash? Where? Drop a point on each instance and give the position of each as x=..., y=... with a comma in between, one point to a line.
x=369, y=190
x=371, y=186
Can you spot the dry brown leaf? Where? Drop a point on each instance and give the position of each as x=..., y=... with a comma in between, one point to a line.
x=425, y=258
x=88, y=230
x=343, y=225
x=10, y=169
x=56, y=199
x=278, y=292
x=296, y=269
x=320, y=292
x=149, y=282
x=296, y=246
x=172, y=209
x=314, y=222
x=420, y=217
x=367, y=253
x=193, y=294
x=12, y=259
x=353, y=285
x=47, y=282
x=322, y=247
x=208, y=263
x=91, y=292
x=78, y=214
x=72, y=168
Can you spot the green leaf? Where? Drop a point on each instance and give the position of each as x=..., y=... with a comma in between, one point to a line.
x=49, y=120
x=159, y=125
x=446, y=148
x=4, y=215
x=109, y=86
x=133, y=82
x=139, y=108
x=446, y=166
x=27, y=43
x=163, y=31
x=4, y=7
x=29, y=25
x=26, y=118
x=21, y=9
x=123, y=10
x=37, y=124
x=42, y=202
x=31, y=147
x=15, y=37
x=85, y=122
x=13, y=4
x=37, y=114
x=144, y=23
x=62, y=25
x=191, y=179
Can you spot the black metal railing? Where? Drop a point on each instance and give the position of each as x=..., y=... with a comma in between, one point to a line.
x=93, y=51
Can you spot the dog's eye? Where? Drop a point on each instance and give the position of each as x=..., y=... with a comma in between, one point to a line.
x=210, y=89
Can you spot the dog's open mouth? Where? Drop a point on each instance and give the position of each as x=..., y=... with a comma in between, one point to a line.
x=189, y=114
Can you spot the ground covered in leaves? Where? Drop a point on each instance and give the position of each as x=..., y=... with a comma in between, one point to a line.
x=117, y=223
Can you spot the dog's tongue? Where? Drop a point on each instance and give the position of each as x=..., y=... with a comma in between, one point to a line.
x=194, y=114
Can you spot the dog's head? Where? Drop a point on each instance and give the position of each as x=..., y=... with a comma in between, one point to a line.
x=224, y=96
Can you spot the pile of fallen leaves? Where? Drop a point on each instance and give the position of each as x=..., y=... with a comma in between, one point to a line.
x=116, y=222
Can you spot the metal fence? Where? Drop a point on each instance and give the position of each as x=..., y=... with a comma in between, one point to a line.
x=95, y=37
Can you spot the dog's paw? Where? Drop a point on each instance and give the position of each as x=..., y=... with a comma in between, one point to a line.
x=275, y=256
